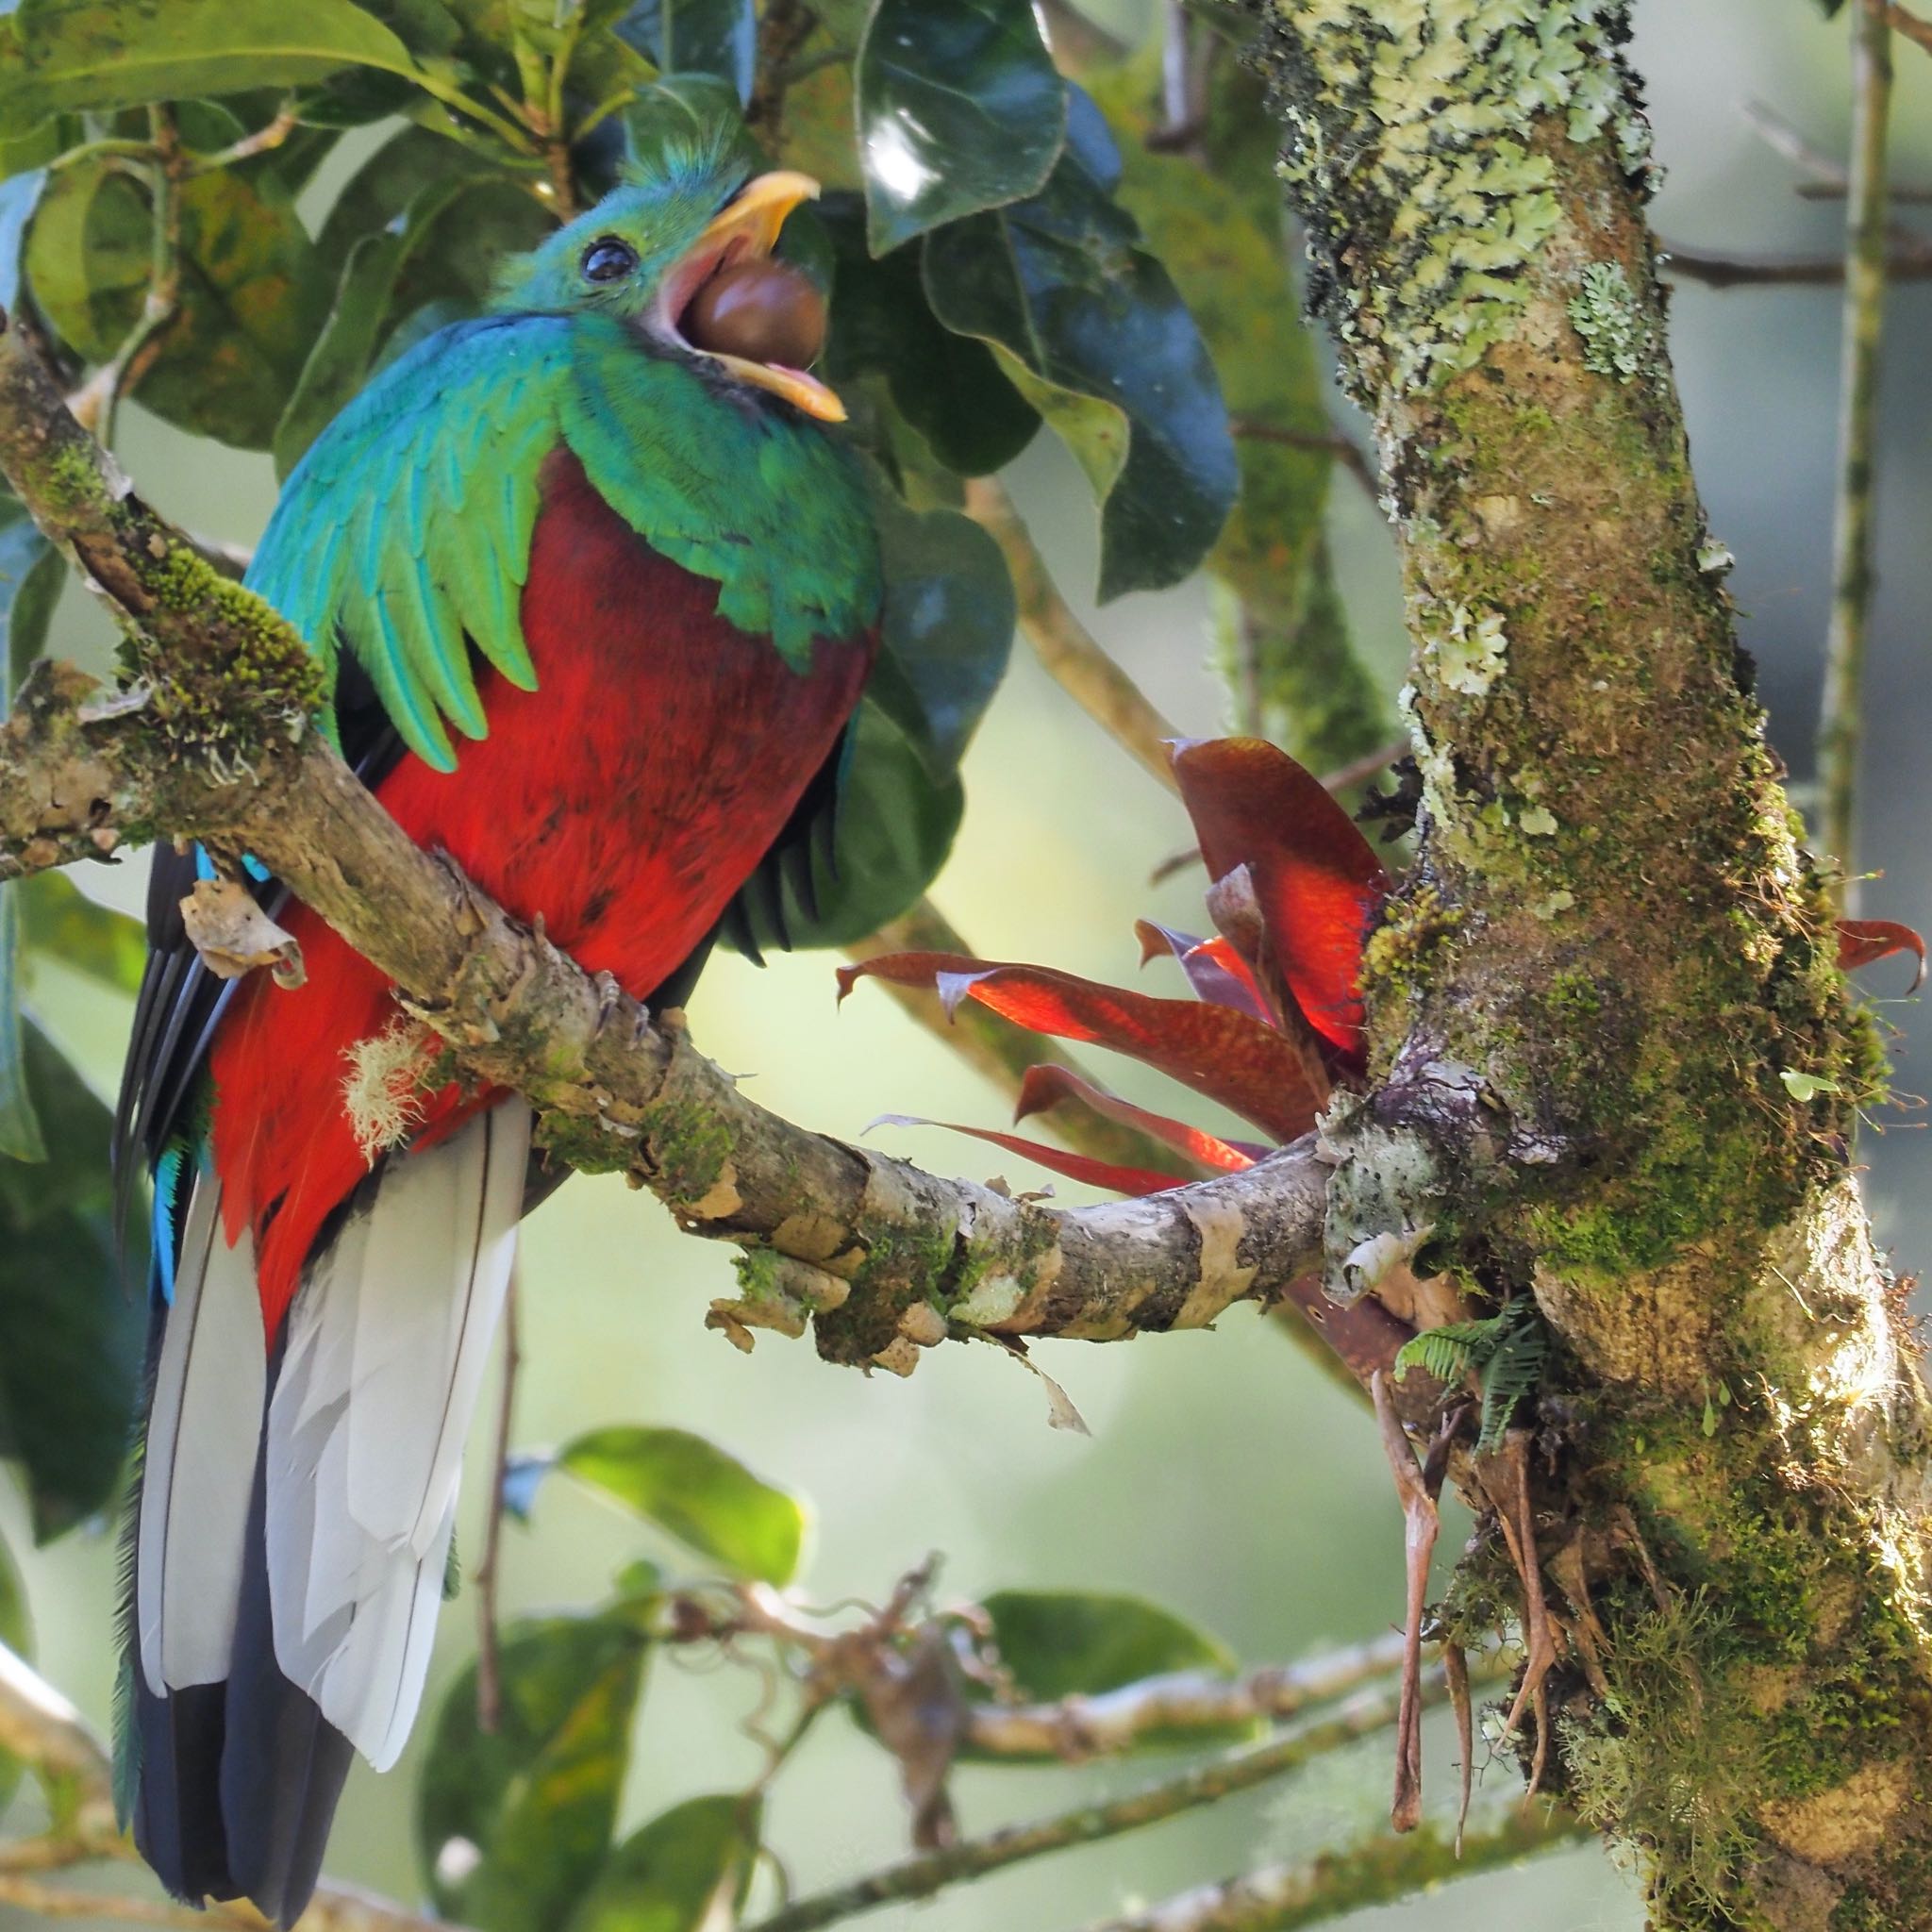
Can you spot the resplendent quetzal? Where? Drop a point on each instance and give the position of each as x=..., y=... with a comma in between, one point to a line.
x=599, y=601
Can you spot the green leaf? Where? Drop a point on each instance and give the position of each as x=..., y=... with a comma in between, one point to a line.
x=685, y=1870
x=1803, y=1087
x=16, y=1633
x=949, y=387
x=19, y=196
x=376, y=284
x=1093, y=334
x=59, y=54
x=20, y=1128
x=513, y=1825
x=31, y=576
x=697, y=1492
x=959, y=110
x=70, y=1334
x=384, y=187
x=58, y=920
x=946, y=630
x=1069, y=1643
x=718, y=37
x=677, y=108
x=252, y=294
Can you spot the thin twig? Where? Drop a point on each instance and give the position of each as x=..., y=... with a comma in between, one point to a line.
x=783, y=30
x=96, y=402
x=920, y=1877
x=1904, y=21
x=488, y=1653
x=1065, y=646
x=260, y=142
x=1346, y=451
x=1378, y=1872
x=1901, y=264
x=1840, y=721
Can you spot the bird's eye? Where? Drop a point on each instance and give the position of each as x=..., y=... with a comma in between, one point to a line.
x=608, y=259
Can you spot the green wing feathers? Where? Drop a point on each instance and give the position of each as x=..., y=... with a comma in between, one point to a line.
x=404, y=534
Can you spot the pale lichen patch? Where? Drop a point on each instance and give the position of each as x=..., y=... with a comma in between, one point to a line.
x=1605, y=312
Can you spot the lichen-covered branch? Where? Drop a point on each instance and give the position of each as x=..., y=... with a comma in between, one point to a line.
x=1276, y=1898
x=212, y=743
x=1615, y=1068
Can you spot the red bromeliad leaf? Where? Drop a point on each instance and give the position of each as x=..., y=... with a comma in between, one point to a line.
x=1215, y=970
x=1215, y=1050
x=1862, y=940
x=1317, y=879
x=1079, y=1167
x=1047, y=1086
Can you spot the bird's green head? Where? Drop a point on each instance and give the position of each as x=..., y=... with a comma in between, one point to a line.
x=657, y=251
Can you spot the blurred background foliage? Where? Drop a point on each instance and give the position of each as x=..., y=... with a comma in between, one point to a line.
x=1224, y=1478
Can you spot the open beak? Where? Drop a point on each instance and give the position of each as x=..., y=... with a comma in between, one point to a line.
x=747, y=230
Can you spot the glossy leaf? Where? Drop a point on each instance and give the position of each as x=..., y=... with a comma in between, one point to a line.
x=1317, y=880
x=16, y=1633
x=251, y=301
x=57, y=55
x=959, y=110
x=1215, y=969
x=1082, y=1643
x=693, y=1490
x=59, y=921
x=70, y=1335
x=1079, y=1167
x=513, y=1826
x=685, y=1870
x=950, y=388
x=1092, y=332
x=946, y=632
x=1044, y=1088
x=718, y=37
x=1214, y=1050
x=1862, y=940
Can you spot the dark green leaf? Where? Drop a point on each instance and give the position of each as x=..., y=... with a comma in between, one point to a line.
x=1077, y=1643
x=949, y=387
x=947, y=629
x=58, y=920
x=718, y=37
x=455, y=259
x=93, y=54
x=18, y=198
x=21, y=1138
x=681, y=108
x=960, y=110
x=70, y=1334
x=31, y=576
x=695, y=1492
x=384, y=187
x=685, y=1870
x=514, y=1825
x=252, y=294
x=366, y=309
x=1093, y=334
x=16, y=1633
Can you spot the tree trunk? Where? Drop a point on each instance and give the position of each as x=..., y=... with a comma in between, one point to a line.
x=1620, y=1069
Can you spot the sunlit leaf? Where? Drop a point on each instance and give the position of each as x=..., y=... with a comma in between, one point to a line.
x=1044, y=1088
x=513, y=1825
x=685, y=1870
x=1317, y=880
x=1862, y=940
x=1068, y=1644
x=70, y=1334
x=693, y=1490
x=1215, y=1050
x=96, y=54
x=948, y=387
x=251, y=297
x=946, y=631
x=1091, y=330
x=59, y=921
x=718, y=37
x=1115, y=1177
x=959, y=110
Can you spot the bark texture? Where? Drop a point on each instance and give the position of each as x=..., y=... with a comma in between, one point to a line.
x=1617, y=1068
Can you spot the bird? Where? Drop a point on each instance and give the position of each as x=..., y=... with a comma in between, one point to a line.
x=594, y=579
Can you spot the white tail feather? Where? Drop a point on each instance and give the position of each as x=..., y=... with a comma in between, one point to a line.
x=198, y=1477
x=388, y=1342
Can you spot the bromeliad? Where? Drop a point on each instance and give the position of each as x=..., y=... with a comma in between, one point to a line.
x=597, y=593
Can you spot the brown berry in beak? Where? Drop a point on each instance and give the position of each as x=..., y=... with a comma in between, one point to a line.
x=758, y=310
